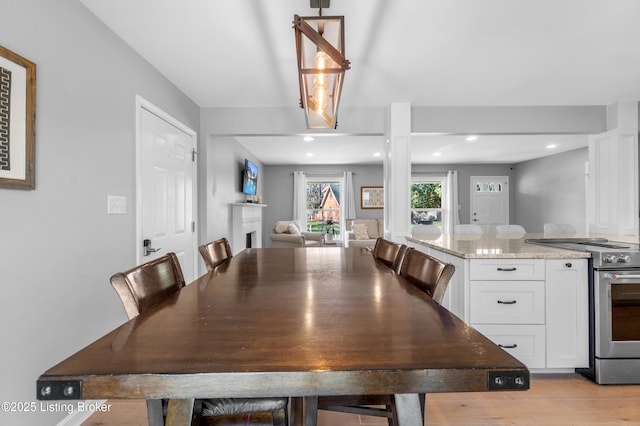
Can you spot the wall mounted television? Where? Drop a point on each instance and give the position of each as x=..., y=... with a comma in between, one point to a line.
x=249, y=178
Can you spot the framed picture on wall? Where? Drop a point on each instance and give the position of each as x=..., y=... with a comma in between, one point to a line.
x=17, y=121
x=371, y=197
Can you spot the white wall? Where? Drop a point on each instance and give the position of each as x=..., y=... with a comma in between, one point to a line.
x=58, y=247
x=551, y=189
x=224, y=160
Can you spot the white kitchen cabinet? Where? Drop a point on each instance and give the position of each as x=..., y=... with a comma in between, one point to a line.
x=539, y=314
x=524, y=341
x=567, y=319
x=613, y=183
x=507, y=302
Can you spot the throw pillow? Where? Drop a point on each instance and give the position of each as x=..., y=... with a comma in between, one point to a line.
x=360, y=230
x=372, y=227
x=281, y=227
x=293, y=229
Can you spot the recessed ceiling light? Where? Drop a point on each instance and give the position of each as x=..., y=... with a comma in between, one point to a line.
x=551, y=146
x=437, y=154
x=308, y=139
x=377, y=154
x=309, y=154
x=471, y=138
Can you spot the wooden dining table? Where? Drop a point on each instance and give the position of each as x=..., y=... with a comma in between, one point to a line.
x=288, y=322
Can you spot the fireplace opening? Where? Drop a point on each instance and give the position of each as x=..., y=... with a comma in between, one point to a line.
x=249, y=239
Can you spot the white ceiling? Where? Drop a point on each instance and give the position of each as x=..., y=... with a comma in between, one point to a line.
x=240, y=53
x=425, y=149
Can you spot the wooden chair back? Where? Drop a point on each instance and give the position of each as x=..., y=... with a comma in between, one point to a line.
x=429, y=274
x=215, y=253
x=389, y=253
x=148, y=284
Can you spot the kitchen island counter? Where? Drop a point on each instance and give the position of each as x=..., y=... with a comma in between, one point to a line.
x=492, y=246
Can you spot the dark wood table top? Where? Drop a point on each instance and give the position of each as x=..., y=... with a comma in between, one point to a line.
x=286, y=322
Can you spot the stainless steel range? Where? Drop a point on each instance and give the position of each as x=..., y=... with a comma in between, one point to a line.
x=614, y=307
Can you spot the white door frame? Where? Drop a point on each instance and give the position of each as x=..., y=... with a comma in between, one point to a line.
x=142, y=103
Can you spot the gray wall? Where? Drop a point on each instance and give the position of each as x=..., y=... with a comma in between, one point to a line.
x=551, y=189
x=465, y=171
x=58, y=247
x=278, y=192
x=221, y=185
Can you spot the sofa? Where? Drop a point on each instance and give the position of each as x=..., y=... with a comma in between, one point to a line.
x=288, y=233
x=364, y=232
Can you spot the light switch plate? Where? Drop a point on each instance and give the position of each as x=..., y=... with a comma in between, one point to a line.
x=116, y=204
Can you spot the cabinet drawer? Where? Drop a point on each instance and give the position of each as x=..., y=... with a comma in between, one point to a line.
x=506, y=269
x=507, y=302
x=525, y=342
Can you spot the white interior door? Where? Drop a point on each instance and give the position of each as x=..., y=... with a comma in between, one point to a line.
x=490, y=201
x=166, y=188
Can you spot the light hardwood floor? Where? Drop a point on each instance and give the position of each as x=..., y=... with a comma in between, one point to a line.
x=566, y=399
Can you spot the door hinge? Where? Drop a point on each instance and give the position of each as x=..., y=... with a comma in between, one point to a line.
x=194, y=153
x=193, y=226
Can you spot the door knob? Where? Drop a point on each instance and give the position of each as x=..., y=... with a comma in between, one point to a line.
x=148, y=249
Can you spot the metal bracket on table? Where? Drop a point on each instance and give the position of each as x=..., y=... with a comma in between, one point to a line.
x=51, y=390
x=508, y=380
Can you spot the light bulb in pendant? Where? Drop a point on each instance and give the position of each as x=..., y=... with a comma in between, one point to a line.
x=320, y=92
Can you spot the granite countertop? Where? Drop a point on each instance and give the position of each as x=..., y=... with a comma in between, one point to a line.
x=491, y=246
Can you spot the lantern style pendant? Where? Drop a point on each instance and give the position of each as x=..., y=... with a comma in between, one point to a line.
x=321, y=67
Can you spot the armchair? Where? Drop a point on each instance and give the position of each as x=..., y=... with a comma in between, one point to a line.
x=288, y=233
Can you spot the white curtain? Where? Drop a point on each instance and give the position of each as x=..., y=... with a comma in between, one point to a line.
x=300, y=198
x=451, y=201
x=348, y=197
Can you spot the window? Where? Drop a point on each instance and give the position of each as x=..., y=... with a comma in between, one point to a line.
x=427, y=201
x=324, y=213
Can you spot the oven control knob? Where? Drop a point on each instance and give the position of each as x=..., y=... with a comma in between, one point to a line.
x=609, y=258
x=624, y=258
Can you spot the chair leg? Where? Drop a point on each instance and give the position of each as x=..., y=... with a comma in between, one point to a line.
x=297, y=411
x=393, y=419
x=280, y=417
x=311, y=410
x=155, y=412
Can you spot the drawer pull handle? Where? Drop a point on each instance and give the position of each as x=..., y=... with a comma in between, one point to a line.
x=507, y=269
x=508, y=346
x=509, y=302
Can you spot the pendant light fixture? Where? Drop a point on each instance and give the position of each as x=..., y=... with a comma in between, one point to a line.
x=321, y=66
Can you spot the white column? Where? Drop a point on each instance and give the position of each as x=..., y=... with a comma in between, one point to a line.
x=397, y=173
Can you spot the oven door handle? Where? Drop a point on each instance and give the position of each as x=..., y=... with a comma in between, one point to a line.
x=617, y=276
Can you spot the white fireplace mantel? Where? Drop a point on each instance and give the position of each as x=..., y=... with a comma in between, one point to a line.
x=247, y=220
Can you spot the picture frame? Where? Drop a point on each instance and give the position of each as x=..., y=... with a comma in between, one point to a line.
x=371, y=197
x=17, y=121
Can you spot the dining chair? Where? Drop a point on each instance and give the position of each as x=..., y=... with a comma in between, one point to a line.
x=468, y=229
x=427, y=273
x=559, y=228
x=389, y=253
x=147, y=285
x=431, y=276
x=510, y=230
x=215, y=253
